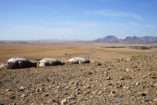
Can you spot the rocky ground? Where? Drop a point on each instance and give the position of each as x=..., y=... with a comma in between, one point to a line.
x=131, y=81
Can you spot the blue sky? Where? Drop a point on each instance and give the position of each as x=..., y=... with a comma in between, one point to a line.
x=76, y=19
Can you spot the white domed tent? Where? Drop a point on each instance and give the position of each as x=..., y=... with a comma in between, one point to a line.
x=78, y=60
x=16, y=59
x=49, y=62
x=2, y=66
x=16, y=63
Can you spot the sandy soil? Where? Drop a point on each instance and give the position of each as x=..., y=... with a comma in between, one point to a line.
x=120, y=79
x=65, y=51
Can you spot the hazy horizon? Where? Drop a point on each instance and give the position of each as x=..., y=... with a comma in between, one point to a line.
x=76, y=20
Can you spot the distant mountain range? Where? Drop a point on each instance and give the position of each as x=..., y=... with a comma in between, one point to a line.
x=128, y=40
x=107, y=39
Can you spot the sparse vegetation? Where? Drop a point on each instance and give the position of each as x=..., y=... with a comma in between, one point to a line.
x=141, y=47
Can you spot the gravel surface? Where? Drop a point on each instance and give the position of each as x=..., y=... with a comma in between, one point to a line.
x=127, y=81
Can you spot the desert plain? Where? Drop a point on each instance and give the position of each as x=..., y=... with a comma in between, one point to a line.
x=119, y=74
x=93, y=51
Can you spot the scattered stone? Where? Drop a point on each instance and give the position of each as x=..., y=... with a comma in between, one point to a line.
x=155, y=85
x=127, y=70
x=1, y=103
x=90, y=73
x=126, y=103
x=124, y=77
x=12, y=96
x=32, y=104
x=87, y=92
x=21, y=88
x=108, y=78
x=71, y=82
x=125, y=87
x=100, y=92
x=23, y=95
x=153, y=76
x=142, y=94
x=64, y=102
x=137, y=83
x=155, y=99
x=7, y=90
x=46, y=95
x=98, y=64
x=71, y=97
x=113, y=92
x=48, y=80
x=67, y=85
x=119, y=85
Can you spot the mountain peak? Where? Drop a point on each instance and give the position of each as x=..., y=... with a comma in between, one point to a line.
x=128, y=40
x=108, y=39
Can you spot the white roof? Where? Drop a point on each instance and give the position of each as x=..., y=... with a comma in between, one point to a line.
x=2, y=65
x=74, y=59
x=16, y=59
x=48, y=60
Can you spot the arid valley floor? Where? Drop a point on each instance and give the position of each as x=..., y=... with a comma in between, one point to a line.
x=125, y=75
